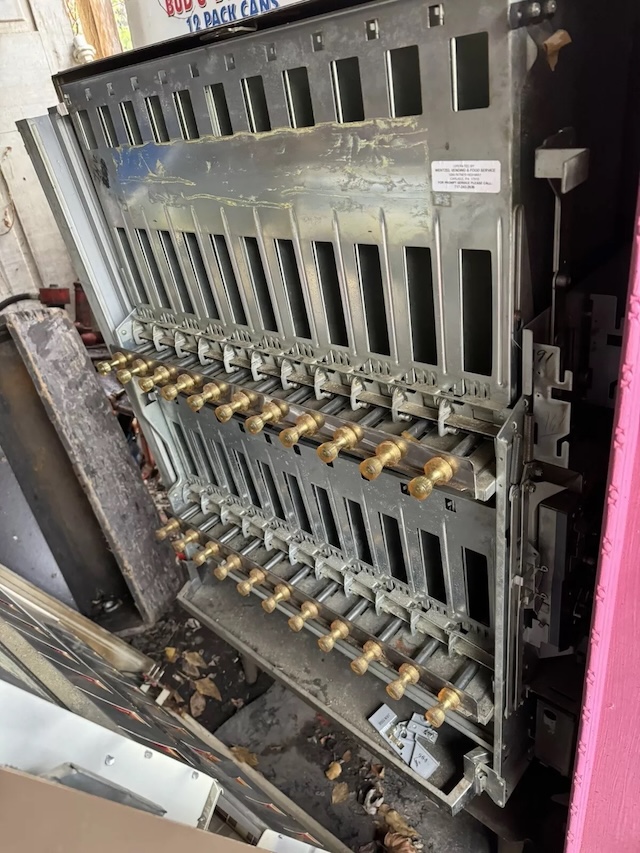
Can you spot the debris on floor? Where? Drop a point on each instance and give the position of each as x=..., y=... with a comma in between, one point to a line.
x=409, y=738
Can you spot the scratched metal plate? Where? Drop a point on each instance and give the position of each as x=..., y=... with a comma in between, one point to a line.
x=357, y=174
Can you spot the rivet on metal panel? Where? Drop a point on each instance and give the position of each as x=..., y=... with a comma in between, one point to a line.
x=344, y=438
x=240, y=402
x=371, y=651
x=339, y=631
x=388, y=453
x=211, y=393
x=372, y=29
x=109, y=760
x=280, y=593
x=408, y=674
x=308, y=610
x=159, y=376
x=437, y=471
x=172, y=526
x=230, y=564
x=256, y=576
x=307, y=424
x=185, y=382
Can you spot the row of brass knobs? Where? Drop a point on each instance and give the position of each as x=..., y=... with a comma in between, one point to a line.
x=437, y=471
x=448, y=698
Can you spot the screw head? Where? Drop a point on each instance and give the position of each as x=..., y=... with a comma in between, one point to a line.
x=148, y=753
x=109, y=760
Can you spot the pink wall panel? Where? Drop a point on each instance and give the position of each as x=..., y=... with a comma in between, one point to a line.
x=605, y=806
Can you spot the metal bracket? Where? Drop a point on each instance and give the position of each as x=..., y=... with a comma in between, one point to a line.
x=552, y=417
x=570, y=166
x=524, y=13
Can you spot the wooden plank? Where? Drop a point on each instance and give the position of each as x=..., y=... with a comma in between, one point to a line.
x=99, y=26
x=91, y=436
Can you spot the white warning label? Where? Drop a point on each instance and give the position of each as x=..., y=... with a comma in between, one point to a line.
x=465, y=176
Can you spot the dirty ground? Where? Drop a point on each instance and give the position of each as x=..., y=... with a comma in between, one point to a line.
x=320, y=768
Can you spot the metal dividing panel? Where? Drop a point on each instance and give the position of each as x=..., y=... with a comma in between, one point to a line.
x=309, y=193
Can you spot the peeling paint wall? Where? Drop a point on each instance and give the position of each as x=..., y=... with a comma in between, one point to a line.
x=36, y=40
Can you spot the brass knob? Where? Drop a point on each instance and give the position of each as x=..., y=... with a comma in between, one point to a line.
x=240, y=402
x=160, y=374
x=388, y=453
x=448, y=700
x=280, y=593
x=339, y=631
x=172, y=526
x=184, y=382
x=229, y=565
x=409, y=674
x=256, y=576
x=309, y=610
x=139, y=368
x=271, y=413
x=211, y=393
x=210, y=550
x=307, y=424
x=437, y=471
x=371, y=651
x=119, y=360
x=190, y=536
x=344, y=438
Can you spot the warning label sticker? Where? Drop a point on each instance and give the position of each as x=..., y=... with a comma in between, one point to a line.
x=465, y=176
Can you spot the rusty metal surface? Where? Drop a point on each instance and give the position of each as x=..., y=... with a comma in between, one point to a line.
x=113, y=517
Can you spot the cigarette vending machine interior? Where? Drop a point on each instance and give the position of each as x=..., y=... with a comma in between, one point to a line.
x=361, y=269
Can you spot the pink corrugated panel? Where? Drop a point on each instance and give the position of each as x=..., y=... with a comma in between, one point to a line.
x=605, y=804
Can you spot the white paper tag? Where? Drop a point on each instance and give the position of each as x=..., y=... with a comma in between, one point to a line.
x=465, y=176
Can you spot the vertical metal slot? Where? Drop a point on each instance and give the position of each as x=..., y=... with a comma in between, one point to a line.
x=325, y=258
x=476, y=569
x=255, y=102
x=228, y=276
x=403, y=79
x=186, y=115
x=347, y=89
x=171, y=257
x=152, y=267
x=200, y=273
x=423, y=318
x=477, y=310
x=260, y=285
x=359, y=531
x=185, y=451
x=298, y=502
x=130, y=121
x=272, y=491
x=140, y=295
x=326, y=514
x=218, y=109
x=205, y=466
x=156, y=119
x=370, y=274
x=298, y=94
x=107, y=127
x=293, y=285
x=86, y=130
x=393, y=545
x=470, y=72
x=226, y=469
x=433, y=568
x=248, y=478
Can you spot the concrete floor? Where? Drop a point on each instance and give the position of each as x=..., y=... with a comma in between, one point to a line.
x=294, y=746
